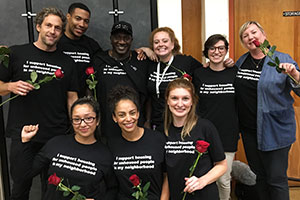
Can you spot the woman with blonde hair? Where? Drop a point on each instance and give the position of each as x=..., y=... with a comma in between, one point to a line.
x=266, y=113
x=183, y=129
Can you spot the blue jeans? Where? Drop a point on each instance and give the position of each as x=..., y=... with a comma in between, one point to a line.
x=270, y=168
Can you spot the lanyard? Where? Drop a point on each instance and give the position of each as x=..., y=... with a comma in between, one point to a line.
x=160, y=79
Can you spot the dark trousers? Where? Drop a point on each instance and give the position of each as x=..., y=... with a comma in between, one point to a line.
x=270, y=168
x=20, y=166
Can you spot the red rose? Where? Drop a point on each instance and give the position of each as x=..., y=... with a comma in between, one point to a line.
x=135, y=180
x=187, y=77
x=54, y=180
x=256, y=43
x=59, y=74
x=201, y=146
x=89, y=70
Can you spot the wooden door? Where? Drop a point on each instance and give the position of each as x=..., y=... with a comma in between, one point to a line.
x=282, y=32
x=191, y=28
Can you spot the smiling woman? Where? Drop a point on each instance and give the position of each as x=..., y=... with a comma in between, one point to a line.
x=75, y=158
x=166, y=46
x=183, y=129
x=137, y=150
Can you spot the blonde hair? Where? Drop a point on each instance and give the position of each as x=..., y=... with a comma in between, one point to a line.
x=245, y=26
x=176, y=49
x=192, y=117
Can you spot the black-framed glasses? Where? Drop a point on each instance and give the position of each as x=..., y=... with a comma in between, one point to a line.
x=87, y=120
x=220, y=48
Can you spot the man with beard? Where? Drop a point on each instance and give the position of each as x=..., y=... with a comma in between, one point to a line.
x=119, y=66
x=76, y=44
x=48, y=105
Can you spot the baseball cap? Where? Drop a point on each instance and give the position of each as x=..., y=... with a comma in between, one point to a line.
x=122, y=26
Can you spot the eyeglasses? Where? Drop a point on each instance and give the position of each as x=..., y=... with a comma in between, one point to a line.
x=87, y=120
x=220, y=48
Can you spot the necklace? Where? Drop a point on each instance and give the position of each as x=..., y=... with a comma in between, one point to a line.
x=256, y=64
x=159, y=78
x=125, y=60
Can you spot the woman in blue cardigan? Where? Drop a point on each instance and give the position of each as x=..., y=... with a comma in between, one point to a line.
x=266, y=114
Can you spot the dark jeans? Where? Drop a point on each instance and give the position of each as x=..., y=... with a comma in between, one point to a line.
x=270, y=168
x=20, y=166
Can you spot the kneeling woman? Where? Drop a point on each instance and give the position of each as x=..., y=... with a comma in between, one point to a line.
x=138, y=150
x=184, y=129
x=79, y=159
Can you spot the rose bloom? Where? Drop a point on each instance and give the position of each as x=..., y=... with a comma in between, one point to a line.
x=89, y=70
x=54, y=180
x=135, y=180
x=256, y=43
x=201, y=146
x=59, y=74
x=187, y=77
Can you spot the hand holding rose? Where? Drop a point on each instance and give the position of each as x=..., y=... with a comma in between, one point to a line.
x=28, y=132
x=193, y=183
x=290, y=69
x=20, y=87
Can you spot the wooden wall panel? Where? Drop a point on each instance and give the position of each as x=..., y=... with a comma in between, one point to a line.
x=192, y=28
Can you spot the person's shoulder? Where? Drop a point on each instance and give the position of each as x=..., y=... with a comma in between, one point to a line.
x=21, y=47
x=155, y=135
x=60, y=139
x=88, y=38
x=204, y=123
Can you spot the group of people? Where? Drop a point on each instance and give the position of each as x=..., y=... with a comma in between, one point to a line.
x=151, y=113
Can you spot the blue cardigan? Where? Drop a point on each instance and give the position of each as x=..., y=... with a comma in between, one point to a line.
x=276, y=126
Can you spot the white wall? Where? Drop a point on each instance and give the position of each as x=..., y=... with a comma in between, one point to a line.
x=169, y=14
x=216, y=17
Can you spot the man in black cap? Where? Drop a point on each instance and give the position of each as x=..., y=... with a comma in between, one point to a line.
x=119, y=66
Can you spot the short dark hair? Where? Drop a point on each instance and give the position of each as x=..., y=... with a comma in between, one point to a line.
x=82, y=6
x=121, y=92
x=212, y=40
x=89, y=101
x=45, y=12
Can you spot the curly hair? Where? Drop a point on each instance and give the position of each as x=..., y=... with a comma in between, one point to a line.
x=45, y=12
x=121, y=92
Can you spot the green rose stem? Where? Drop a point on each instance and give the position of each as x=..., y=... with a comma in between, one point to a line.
x=93, y=78
x=193, y=169
x=264, y=48
x=276, y=64
x=7, y=100
x=182, y=72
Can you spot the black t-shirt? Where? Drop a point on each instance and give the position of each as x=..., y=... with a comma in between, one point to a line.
x=110, y=73
x=217, y=102
x=246, y=92
x=88, y=166
x=46, y=106
x=145, y=158
x=180, y=156
x=81, y=51
x=182, y=62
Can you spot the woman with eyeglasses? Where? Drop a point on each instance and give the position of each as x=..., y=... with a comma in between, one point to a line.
x=183, y=129
x=172, y=64
x=80, y=159
x=139, y=150
x=215, y=87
